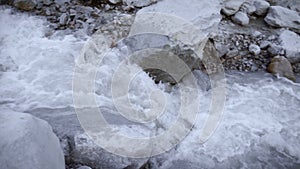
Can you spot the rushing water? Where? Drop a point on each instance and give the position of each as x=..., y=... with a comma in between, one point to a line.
x=260, y=127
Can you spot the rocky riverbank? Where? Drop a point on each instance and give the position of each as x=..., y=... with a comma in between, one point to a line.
x=253, y=36
x=250, y=33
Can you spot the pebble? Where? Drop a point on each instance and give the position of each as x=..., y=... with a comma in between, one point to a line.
x=254, y=49
x=241, y=18
x=63, y=19
x=265, y=44
x=274, y=50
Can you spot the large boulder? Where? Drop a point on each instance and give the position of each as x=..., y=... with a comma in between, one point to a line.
x=290, y=42
x=284, y=18
x=188, y=22
x=25, y=5
x=282, y=67
x=28, y=142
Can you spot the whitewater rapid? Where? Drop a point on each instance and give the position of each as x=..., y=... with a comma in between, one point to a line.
x=260, y=125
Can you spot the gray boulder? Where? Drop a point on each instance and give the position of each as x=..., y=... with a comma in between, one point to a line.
x=230, y=7
x=241, y=18
x=28, y=142
x=25, y=5
x=261, y=7
x=282, y=17
x=290, y=42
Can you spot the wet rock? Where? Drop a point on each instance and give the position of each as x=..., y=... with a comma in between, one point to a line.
x=25, y=5
x=241, y=18
x=290, y=42
x=28, y=142
x=85, y=151
x=282, y=67
x=232, y=6
x=283, y=17
x=261, y=6
x=138, y=3
x=254, y=49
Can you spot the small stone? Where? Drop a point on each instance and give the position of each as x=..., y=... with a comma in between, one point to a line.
x=261, y=7
x=254, y=49
x=73, y=12
x=232, y=6
x=138, y=3
x=232, y=53
x=84, y=167
x=249, y=8
x=264, y=44
x=256, y=34
x=63, y=19
x=241, y=18
x=48, y=2
x=275, y=50
x=115, y=1
x=282, y=67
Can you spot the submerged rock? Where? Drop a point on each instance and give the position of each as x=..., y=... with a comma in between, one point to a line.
x=282, y=17
x=290, y=42
x=28, y=142
x=282, y=67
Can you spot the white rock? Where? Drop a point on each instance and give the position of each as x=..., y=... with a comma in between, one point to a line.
x=241, y=18
x=63, y=19
x=261, y=6
x=28, y=142
x=283, y=17
x=232, y=6
x=290, y=41
x=254, y=49
x=115, y=1
x=139, y=3
x=189, y=21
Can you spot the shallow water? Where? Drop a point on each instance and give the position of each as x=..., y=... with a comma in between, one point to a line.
x=260, y=126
